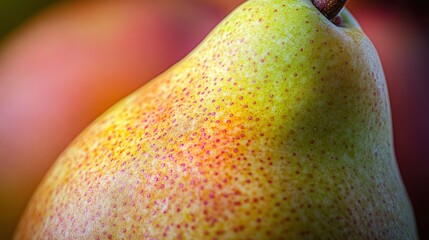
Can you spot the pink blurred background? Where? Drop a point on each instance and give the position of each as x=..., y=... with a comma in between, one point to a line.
x=62, y=67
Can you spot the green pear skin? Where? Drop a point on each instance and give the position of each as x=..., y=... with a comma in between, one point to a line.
x=277, y=126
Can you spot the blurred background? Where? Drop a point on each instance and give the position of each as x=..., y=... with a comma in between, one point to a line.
x=63, y=63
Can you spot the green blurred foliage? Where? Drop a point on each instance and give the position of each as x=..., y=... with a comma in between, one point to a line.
x=13, y=13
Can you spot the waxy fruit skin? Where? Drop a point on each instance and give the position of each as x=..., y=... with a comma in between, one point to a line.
x=277, y=126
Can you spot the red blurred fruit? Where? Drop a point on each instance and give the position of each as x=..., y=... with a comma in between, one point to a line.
x=225, y=5
x=69, y=65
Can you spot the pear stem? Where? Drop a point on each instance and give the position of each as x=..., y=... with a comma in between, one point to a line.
x=329, y=8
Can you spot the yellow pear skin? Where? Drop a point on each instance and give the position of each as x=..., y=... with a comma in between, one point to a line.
x=277, y=126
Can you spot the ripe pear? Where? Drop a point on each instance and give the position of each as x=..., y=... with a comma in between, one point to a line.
x=277, y=126
x=70, y=63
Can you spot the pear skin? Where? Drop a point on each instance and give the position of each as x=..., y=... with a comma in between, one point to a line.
x=277, y=126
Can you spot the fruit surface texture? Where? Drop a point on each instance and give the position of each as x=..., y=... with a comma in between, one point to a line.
x=277, y=126
x=69, y=64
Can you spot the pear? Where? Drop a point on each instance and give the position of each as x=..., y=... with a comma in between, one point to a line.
x=277, y=126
